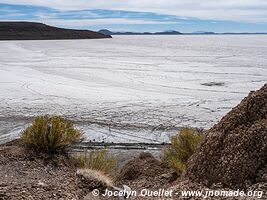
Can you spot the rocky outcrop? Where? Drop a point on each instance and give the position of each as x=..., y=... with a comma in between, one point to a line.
x=234, y=152
x=39, y=31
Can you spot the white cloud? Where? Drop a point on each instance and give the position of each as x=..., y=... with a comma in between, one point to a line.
x=236, y=10
x=92, y=22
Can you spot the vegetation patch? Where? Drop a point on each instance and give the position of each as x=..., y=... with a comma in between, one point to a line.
x=50, y=134
x=183, y=145
x=97, y=160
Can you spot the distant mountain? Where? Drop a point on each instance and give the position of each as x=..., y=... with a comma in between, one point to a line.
x=244, y=33
x=107, y=32
x=168, y=33
x=39, y=31
x=203, y=33
x=172, y=32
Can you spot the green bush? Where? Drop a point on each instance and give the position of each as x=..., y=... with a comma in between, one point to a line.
x=97, y=160
x=183, y=145
x=50, y=134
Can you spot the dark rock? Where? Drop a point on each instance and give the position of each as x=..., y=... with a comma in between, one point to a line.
x=213, y=84
x=39, y=31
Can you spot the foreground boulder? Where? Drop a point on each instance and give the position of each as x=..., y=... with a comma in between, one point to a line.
x=234, y=152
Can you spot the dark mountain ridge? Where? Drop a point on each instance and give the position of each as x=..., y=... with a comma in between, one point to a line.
x=173, y=32
x=39, y=31
x=108, y=32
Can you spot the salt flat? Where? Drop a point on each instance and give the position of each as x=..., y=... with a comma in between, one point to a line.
x=129, y=88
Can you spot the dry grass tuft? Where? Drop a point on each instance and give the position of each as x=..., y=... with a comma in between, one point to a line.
x=50, y=134
x=97, y=160
x=183, y=145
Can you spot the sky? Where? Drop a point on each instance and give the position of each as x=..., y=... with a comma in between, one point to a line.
x=142, y=15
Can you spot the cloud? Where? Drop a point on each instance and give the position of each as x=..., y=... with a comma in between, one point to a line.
x=112, y=19
x=83, y=18
x=86, y=16
x=235, y=10
x=92, y=22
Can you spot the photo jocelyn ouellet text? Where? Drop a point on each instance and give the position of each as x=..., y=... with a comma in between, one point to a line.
x=184, y=193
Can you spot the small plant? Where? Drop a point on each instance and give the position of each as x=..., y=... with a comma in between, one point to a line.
x=50, y=134
x=97, y=160
x=183, y=145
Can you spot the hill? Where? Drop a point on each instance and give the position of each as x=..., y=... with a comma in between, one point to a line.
x=173, y=32
x=39, y=31
x=108, y=32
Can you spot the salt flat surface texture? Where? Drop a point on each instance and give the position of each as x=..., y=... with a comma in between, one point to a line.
x=142, y=87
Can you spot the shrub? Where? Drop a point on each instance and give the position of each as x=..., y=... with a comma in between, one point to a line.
x=50, y=134
x=183, y=145
x=97, y=160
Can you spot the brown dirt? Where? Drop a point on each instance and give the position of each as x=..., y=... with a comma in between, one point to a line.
x=146, y=172
x=28, y=176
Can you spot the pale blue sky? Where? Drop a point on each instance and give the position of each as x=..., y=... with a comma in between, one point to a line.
x=145, y=15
